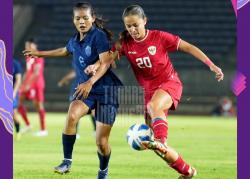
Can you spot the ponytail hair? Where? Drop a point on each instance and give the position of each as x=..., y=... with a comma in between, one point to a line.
x=99, y=21
x=123, y=36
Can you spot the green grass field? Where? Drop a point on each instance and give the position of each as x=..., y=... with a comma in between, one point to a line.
x=208, y=143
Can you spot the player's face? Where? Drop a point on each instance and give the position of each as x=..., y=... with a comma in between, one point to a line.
x=83, y=20
x=27, y=46
x=33, y=46
x=30, y=46
x=135, y=25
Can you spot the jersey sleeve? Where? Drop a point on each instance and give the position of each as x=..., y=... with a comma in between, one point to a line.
x=169, y=41
x=18, y=68
x=102, y=43
x=69, y=46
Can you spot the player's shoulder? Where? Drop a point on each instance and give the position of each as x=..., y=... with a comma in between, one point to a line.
x=99, y=33
x=98, y=30
x=73, y=37
x=16, y=62
x=159, y=32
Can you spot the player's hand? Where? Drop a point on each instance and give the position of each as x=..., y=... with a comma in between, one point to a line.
x=21, y=89
x=62, y=83
x=31, y=53
x=218, y=72
x=24, y=88
x=83, y=90
x=91, y=69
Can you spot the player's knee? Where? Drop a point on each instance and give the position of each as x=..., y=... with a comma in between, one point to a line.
x=72, y=119
x=40, y=106
x=152, y=107
x=102, y=145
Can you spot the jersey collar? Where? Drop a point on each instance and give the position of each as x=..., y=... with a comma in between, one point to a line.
x=77, y=36
x=143, y=38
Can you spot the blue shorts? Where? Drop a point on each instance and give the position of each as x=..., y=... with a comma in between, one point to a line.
x=72, y=90
x=105, y=106
x=15, y=101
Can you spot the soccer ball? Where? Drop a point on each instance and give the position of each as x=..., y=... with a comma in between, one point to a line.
x=138, y=133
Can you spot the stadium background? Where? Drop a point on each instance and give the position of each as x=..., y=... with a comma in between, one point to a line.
x=208, y=24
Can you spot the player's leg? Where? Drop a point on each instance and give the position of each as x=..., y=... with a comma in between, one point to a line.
x=157, y=106
x=105, y=117
x=39, y=106
x=77, y=109
x=104, y=150
x=16, y=121
x=23, y=111
x=77, y=130
x=92, y=116
x=17, y=124
x=93, y=119
x=38, y=102
x=71, y=98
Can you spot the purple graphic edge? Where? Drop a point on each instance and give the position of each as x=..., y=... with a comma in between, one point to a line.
x=243, y=64
x=6, y=144
x=241, y=3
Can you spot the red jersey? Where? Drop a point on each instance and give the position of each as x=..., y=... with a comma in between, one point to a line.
x=30, y=69
x=149, y=57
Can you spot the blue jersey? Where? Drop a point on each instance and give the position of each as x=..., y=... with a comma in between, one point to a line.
x=17, y=69
x=73, y=84
x=86, y=52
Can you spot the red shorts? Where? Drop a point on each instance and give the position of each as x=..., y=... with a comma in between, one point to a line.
x=34, y=93
x=173, y=87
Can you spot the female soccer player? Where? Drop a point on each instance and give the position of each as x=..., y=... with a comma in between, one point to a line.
x=147, y=51
x=17, y=80
x=90, y=43
x=32, y=88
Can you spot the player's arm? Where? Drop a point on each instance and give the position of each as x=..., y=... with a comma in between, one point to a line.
x=60, y=52
x=24, y=76
x=68, y=77
x=197, y=53
x=105, y=62
x=114, y=55
x=17, y=84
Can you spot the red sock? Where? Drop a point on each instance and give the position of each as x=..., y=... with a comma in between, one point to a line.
x=23, y=113
x=180, y=166
x=42, y=119
x=160, y=128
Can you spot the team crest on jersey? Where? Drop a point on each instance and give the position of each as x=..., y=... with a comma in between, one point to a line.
x=88, y=51
x=152, y=50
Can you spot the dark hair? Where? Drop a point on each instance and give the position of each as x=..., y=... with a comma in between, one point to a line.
x=32, y=40
x=134, y=10
x=131, y=10
x=99, y=21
